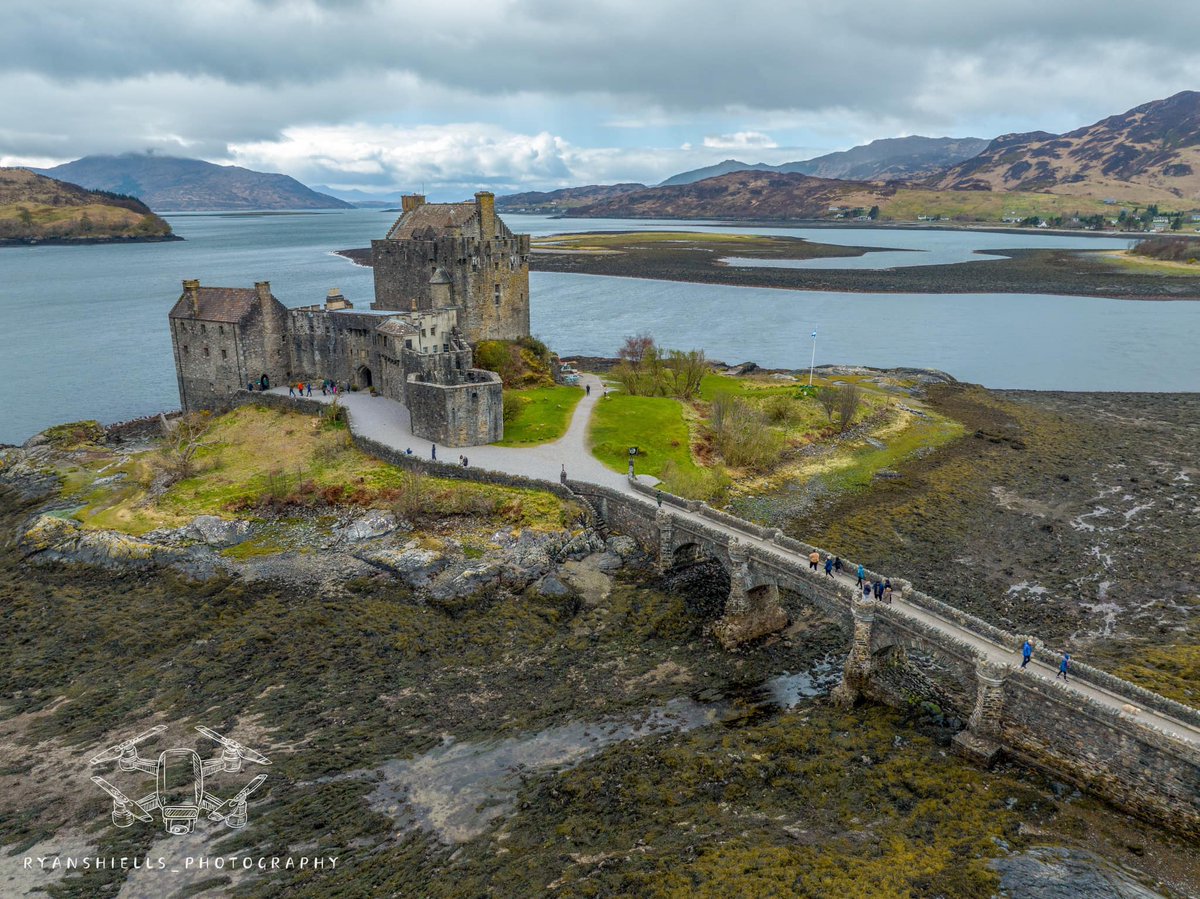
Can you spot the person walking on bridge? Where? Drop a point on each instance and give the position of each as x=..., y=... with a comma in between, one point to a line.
x=862, y=573
x=837, y=564
x=814, y=559
x=1064, y=666
x=1026, y=653
x=828, y=566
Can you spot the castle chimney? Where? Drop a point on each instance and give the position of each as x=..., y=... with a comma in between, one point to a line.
x=485, y=205
x=335, y=300
x=263, y=289
x=191, y=290
x=409, y=202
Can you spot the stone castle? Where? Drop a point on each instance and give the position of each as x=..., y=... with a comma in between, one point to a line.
x=447, y=276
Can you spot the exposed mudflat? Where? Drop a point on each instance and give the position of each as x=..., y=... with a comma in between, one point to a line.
x=1068, y=272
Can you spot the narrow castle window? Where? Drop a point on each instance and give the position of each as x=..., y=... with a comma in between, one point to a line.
x=224, y=354
x=496, y=297
x=206, y=352
x=185, y=350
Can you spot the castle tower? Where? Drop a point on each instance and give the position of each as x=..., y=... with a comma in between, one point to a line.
x=468, y=246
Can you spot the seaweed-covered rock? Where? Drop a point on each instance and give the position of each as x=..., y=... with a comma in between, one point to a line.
x=216, y=531
x=414, y=566
x=374, y=523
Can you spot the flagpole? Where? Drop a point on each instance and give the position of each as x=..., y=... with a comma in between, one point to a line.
x=812, y=363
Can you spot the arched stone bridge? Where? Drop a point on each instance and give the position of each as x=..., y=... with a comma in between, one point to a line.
x=1135, y=747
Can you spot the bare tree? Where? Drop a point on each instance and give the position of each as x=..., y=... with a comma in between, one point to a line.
x=183, y=438
x=685, y=372
x=828, y=398
x=850, y=399
x=635, y=348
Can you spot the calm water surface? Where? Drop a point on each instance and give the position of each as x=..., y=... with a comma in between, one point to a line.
x=83, y=330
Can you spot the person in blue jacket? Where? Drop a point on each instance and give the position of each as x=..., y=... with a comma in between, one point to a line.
x=1064, y=666
x=1026, y=653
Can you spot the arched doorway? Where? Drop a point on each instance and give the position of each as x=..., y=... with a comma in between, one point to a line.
x=363, y=376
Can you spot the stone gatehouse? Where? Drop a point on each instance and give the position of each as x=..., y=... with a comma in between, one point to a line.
x=446, y=276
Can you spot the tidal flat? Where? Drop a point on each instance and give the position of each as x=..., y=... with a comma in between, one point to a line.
x=593, y=739
x=703, y=258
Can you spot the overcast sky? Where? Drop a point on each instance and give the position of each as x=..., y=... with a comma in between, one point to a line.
x=458, y=94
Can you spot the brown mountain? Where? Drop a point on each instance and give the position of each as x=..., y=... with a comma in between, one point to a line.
x=742, y=195
x=1149, y=154
x=563, y=199
x=191, y=185
x=34, y=208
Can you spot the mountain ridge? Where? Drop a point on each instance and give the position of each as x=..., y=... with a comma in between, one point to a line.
x=885, y=159
x=179, y=184
x=1150, y=153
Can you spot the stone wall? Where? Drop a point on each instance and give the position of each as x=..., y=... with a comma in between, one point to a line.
x=467, y=413
x=1105, y=751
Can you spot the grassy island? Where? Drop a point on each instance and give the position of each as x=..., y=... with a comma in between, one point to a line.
x=35, y=209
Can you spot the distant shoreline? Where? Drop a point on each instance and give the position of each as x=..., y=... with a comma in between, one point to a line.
x=81, y=241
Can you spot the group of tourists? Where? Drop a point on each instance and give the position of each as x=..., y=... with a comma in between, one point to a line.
x=877, y=589
x=305, y=388
x=881, y=590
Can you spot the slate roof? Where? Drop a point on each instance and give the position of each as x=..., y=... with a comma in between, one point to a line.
x=431, y=220
x=396, y=327
x=217, y=304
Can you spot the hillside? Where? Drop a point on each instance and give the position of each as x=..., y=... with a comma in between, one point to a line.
x=741, y=195
x=34, y=208
x=191, y=185
x=564, y=199
x=893, y=158
x=1150, y=154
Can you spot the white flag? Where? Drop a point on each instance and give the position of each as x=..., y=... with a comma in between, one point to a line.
x=814, y=335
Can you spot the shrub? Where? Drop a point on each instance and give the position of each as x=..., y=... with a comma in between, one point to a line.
x=1170, y=249
x=781, y=409
x=512, y=407
x=75, y=433
x=743, y=434
x=710, y=484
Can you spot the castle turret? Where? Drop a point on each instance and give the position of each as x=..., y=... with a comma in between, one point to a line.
x=441, y=289
x=409, y=202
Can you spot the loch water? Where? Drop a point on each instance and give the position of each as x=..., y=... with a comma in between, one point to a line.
x=83, y=330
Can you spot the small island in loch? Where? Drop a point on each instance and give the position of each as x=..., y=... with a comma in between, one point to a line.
x=35, y=209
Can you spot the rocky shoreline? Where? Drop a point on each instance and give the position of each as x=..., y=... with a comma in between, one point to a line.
x=82, y=241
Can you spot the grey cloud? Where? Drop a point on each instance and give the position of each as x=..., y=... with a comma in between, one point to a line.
x=691, y=54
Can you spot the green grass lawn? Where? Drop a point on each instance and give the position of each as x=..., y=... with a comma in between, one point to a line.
x=654, y=425
x=545, y=415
